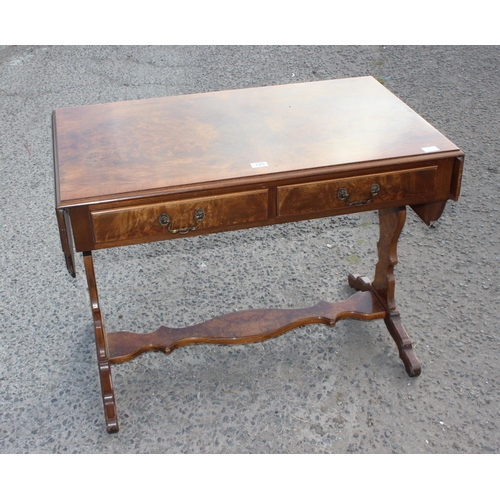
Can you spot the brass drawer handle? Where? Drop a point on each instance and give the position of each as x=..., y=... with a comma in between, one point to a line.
x=165, y=220
x=344, y=196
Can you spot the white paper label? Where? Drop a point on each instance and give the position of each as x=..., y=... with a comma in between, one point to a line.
x=430, y=149
x=259, y=164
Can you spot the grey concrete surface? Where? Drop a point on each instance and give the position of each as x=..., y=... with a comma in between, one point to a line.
x=312, y=390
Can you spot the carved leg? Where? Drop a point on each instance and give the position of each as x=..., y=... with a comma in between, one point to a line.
x=391, y=224
x=392, y=221
x=108, y=394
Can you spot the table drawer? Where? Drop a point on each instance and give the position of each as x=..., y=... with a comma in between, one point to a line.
x=162, y=220
x=415, y=185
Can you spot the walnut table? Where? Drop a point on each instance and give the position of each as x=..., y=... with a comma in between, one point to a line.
x=165, y=168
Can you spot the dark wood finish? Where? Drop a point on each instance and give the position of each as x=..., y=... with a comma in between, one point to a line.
x=247, y=158
x=110, y=150
x=323, y=196
x=66, y=239
x=383, y=286
x=456, y=180
x=242, y=327
x=108, y=393
x=429, y=212
x=134, y=223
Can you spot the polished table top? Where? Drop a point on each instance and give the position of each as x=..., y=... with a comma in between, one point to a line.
x=105, y=151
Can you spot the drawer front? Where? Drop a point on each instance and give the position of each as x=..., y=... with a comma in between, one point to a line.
x=415, y=185
x=149, y=221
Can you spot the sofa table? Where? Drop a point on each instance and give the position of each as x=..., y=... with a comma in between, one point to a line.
x=172, y=167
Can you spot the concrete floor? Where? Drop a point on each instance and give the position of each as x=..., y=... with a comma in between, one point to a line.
x=313, y=390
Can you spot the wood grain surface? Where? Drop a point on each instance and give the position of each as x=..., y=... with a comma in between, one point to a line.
x=117, y=148
x=242, y=327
